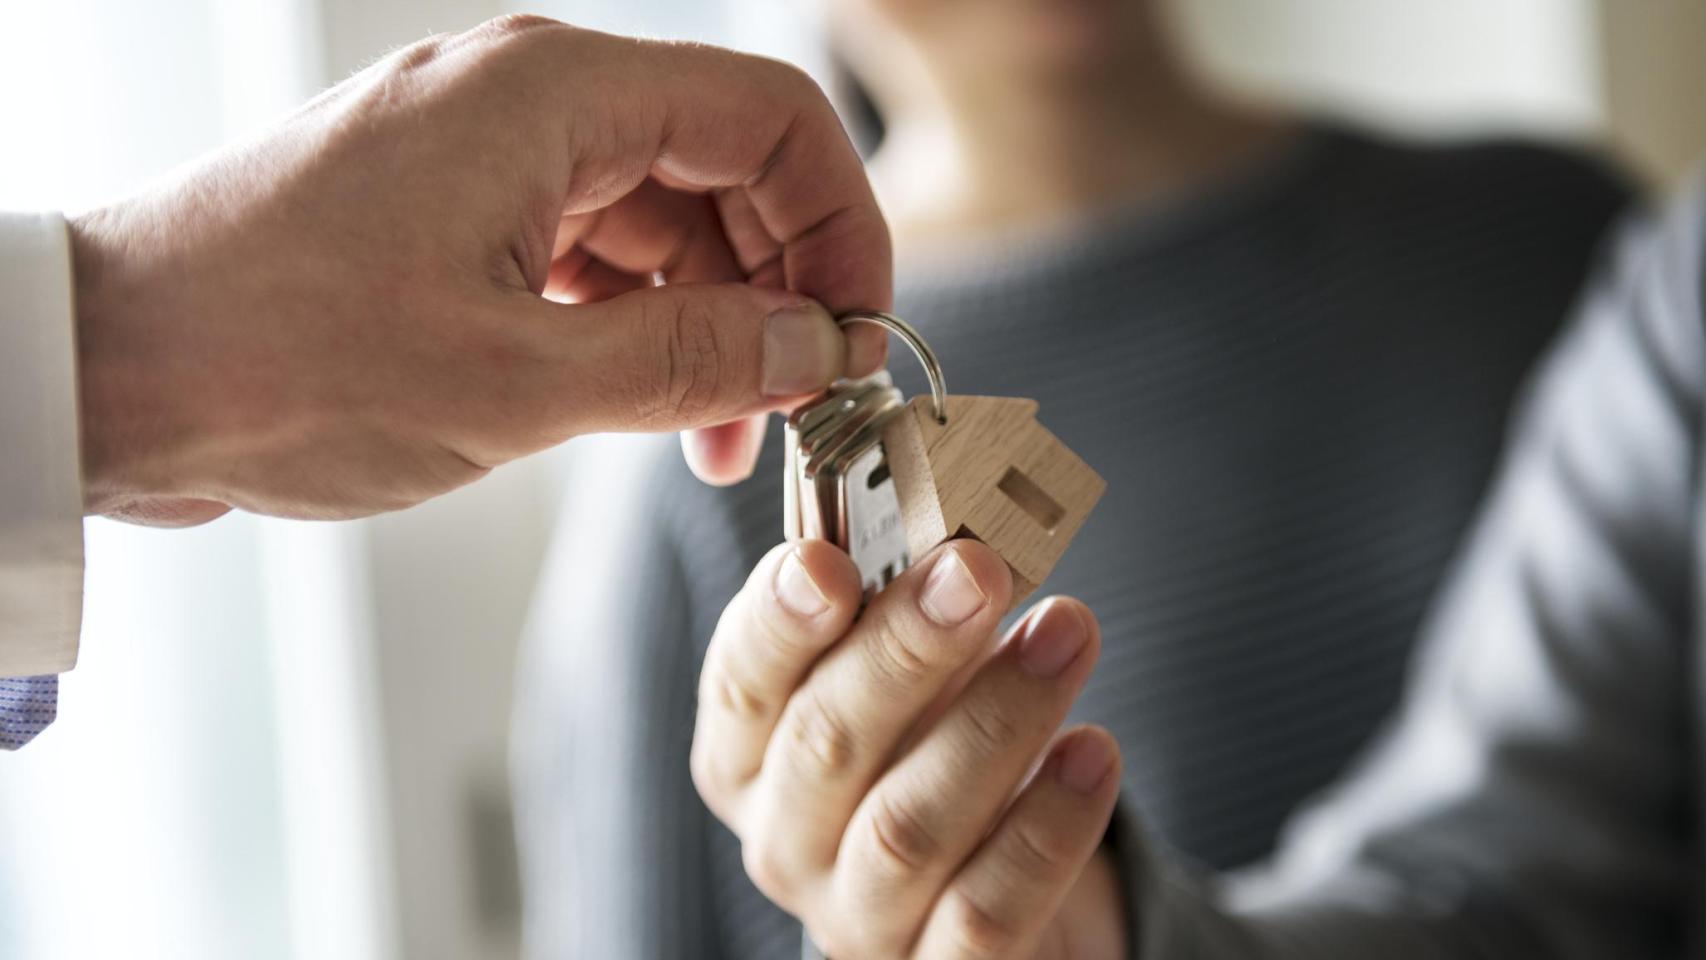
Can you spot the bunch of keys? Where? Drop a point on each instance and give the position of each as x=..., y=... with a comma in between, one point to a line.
x=887, y=480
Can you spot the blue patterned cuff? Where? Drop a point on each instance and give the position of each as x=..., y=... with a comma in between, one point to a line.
x=27, y=706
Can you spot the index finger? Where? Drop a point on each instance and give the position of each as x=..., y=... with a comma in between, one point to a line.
x=798, y=601
x=701, y=116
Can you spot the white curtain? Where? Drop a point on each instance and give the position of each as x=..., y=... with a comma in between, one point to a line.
x=206, y=789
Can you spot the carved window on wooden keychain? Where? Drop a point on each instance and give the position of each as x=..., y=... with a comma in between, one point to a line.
x=887, y=480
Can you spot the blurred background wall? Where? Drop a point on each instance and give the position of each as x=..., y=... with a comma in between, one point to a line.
x=289, y=740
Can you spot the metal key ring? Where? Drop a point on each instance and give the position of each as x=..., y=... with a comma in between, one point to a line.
x=926, y=356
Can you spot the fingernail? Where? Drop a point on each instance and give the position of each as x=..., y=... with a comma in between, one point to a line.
x=1051, y=640
x=797, y=590
x=803, y=351
x=1085, y=763
x=951, y=595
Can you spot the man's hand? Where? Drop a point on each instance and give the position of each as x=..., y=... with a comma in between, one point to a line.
x=350, y=315
x=898, y=783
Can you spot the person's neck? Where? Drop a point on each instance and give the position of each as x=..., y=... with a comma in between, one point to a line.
x=993, y=156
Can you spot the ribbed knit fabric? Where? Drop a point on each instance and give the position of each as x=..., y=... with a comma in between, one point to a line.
x=1295, y=386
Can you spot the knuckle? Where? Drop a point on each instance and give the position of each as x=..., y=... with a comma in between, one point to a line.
x=702, y=767
x=738, y=697
x=805, y=105
x=829, y=941
x=989, y=726
x=977, y=931
x=892, y=657
x=516, y=24
x=712, y=780
x=904, y=845
x=452, y=469
x=845, y=925
x=845, y=936
x=515, y=42
x=1033, y=855
x=824, y=745
x=686, y=345
x=394, y=80
x=768, y=867
x=418, y=54
x=727, y=681
x=777, y=645
x=797, y=82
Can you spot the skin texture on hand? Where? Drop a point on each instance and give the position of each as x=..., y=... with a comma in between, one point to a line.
x=450, y=261
x=900, y=782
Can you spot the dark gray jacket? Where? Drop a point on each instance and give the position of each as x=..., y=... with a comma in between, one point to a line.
x=1539, y=794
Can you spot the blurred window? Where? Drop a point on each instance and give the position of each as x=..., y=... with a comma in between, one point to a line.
x=209, y=723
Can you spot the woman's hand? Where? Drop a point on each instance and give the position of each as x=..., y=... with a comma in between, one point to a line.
x=899, y=783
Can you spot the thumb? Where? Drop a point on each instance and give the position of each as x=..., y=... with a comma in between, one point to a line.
x=690, y=355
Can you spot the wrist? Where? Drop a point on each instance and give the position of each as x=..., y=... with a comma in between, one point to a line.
x=91, y=259
x=119, y=408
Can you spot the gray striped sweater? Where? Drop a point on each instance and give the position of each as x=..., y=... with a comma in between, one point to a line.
x=1295, y=383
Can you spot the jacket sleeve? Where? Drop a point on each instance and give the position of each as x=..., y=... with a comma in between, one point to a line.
x=41, y=500
x=1532, y=796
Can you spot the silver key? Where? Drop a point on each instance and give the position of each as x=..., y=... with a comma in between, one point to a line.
x=837, y=486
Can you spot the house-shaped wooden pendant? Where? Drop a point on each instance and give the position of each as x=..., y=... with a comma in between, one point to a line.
x=991, y=473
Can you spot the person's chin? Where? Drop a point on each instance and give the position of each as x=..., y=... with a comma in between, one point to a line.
x=1071, y=34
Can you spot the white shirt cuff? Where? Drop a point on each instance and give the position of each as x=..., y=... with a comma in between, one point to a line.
x=41, y=489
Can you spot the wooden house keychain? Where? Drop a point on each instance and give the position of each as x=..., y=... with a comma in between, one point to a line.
x=887, y=480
